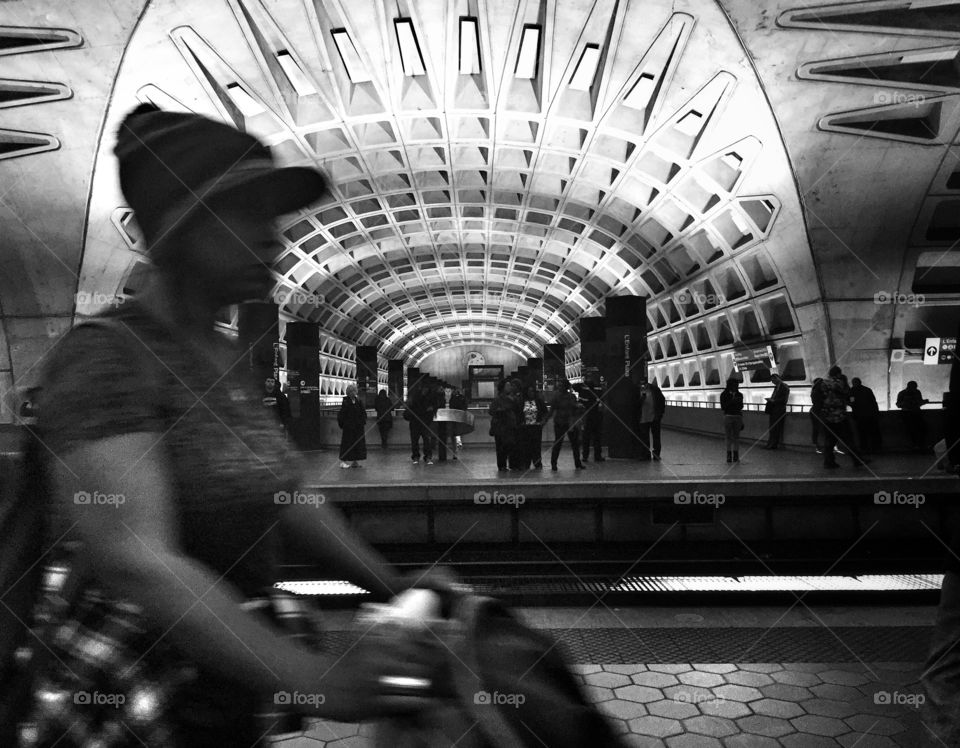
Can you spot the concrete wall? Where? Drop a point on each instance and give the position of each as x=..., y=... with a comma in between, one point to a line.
x=451, y=363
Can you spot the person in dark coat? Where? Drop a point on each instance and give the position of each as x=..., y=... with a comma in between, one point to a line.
x=351, y=418
x=384, y=406
x=504, y=423
x=567, y=415
x=534, y=415
x=421, y=408
x=275, y=400
x=592, y=421
x=777, y=411
x=911, y=401
x=731, y=403
x=659, y=408
x=866, y=416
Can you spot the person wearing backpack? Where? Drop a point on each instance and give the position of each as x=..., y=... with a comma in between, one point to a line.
x=836, y=397
x=177, y=495
x=731, y=403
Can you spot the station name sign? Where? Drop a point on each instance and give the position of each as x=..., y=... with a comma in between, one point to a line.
x=751, y=359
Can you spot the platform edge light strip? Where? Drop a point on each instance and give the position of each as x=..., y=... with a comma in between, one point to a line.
x=813, y=583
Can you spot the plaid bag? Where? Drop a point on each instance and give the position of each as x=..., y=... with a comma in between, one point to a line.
x=96, y=690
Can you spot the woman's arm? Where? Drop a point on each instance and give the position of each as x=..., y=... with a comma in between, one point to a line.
x=322, y=532
x=132, y=548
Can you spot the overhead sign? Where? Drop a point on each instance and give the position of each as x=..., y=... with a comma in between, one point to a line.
x=754, y=358
x=939, y=351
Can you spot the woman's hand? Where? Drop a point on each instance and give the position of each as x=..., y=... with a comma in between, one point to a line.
x=381, y=675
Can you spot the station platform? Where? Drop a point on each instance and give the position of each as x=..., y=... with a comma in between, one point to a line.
x=799, y=676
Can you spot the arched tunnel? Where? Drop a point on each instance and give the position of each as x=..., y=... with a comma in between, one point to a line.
x=775, y=182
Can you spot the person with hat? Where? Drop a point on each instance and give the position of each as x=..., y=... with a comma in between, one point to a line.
x=178, y=562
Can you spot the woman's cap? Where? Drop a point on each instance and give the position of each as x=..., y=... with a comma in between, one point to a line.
x=174, y=164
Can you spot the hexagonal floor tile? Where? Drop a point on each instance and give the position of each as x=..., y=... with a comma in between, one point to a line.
x=607, y=680
x=715, y=727
x=715, y=667
x=355, y=741
x=672, y=709
x=658, y=727
x=596, y=694
x=772, y=727
x=750, y=741
x=829, y=708
x=796, y=678
x=873, y=725
x=688, y=694
x=746, y=678
x=816, y=725
x=721, y=708
x=625, y=669
x=760, y=667
x=835, y=692
x=655, y=680
x=693, y=741
x=642, y=741
x=777, y=708
x=698, y=678
x=584, y=669
x=859, y=740
x=786, y=693
x=324, y=730
x=738, y=693
x=643, y=694
x=806, y=740
x=662, y=667
x=844, y=677
x=623, y=709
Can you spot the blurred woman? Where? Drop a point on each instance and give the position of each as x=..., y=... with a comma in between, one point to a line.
x=175, y=608
x=352, y=418
x=731, y=403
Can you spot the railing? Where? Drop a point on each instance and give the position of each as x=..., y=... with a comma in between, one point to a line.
x=754, y=407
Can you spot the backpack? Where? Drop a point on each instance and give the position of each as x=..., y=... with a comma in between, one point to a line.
x=511, y=688
x=834, y=405
x=24, y=499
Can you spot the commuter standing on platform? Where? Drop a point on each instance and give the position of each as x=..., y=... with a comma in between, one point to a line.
x=816, y=413
x=208, y=489
x=776, y=410
x=458, y=402
x=534, y=416
x=836, y=396
x=275, y=400
x=445, y=428
x=567, y=414
x=731, y=403
x=352, y=419
x=659, y=408
x=911, y=402
x=419, y=412
x=866, y=417
x=384, y=406
x=504, y=423
x=645, y=416
x=592, y=421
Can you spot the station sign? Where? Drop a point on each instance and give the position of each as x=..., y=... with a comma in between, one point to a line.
x=752, y=359
x=939, y=351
